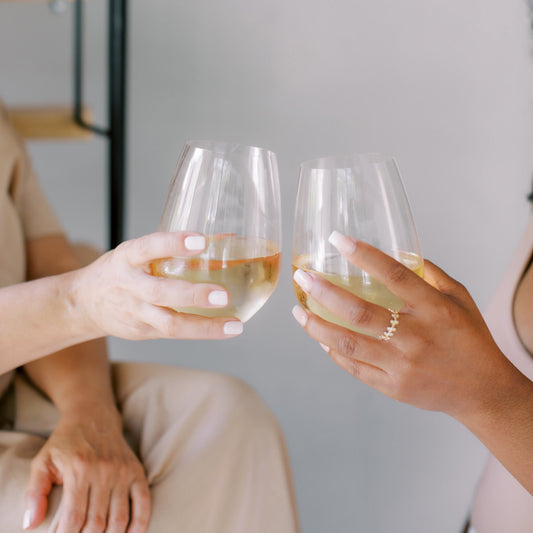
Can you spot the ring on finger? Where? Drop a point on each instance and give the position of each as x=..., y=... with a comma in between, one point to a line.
x=391, y=329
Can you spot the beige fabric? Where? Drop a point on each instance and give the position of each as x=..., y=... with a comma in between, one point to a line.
x=213, y=452
x=24, y=212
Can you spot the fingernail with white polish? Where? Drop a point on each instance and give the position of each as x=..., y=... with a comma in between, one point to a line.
x=324, y=347
x=194, y=242
x=233, y=328
x=300, y=315
x=303, y=279
x=27, y=519
x=218, y=298
x=342, y=243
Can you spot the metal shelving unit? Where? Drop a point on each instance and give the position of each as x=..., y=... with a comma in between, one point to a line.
x=75, y=122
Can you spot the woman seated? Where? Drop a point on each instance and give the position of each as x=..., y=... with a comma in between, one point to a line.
x=93, y=447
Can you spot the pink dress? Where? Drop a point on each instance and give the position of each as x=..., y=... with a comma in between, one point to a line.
x=501, y=504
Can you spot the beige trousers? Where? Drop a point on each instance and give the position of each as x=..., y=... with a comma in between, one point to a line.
x=213, y=453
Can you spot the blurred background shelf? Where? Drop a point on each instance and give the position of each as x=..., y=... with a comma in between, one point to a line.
x=75, y=121
x=49, y=122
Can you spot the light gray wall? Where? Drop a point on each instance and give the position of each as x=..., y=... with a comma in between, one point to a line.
x=445, y=86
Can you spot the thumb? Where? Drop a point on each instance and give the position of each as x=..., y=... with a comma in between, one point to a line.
x=39, y=486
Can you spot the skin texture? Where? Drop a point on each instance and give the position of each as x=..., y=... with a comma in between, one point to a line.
x=523, y=310
x=114, y=295
x=442, y=356
x=104, y=485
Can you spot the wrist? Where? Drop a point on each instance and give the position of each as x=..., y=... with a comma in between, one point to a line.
x=507, y=400
x=105, y=413
x=73, y=294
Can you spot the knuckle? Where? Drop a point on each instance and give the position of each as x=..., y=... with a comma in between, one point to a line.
x=36, y=465
x=120, y=518
x=80, y=463
x=128, y=472
x=462, y=292
x=360, y=315
x=398, y=273
x=124, y=247
x=97, y=523
x=318, y=290
x=167, y=326
x=214, y=329
x=143, y=497
x=154, y=290
x=74, y=520
x=197, y=296
x=140, y=245
x=107, y=467
x=347, y=345
x=355, y=369
x=446, y=312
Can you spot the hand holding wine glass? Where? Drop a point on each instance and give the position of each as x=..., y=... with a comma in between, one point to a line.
x=358, y=275
x=360, y=196
x=230, y=194
x=117, y=295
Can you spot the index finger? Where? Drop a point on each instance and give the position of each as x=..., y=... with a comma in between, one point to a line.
x=162, y=244
x=398, y=278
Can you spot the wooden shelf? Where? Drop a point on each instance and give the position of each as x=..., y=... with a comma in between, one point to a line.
x=48, y=122
x=26, y=1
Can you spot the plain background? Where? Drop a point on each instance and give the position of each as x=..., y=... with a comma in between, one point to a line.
x=445, y=86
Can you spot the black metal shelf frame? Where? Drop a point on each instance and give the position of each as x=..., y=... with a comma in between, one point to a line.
x=115, y=132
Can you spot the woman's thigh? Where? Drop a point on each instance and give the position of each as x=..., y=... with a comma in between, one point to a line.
x=16, y=453
x=214, y=453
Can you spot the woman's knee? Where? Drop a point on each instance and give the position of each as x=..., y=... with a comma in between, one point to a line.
x=180, y=392
x=241, y=402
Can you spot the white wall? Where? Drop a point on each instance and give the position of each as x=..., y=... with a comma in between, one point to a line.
x=444, y=86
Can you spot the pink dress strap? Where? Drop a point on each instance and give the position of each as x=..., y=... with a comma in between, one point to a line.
x=501, y=504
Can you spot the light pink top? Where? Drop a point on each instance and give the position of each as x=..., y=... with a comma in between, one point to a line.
x=501, y=504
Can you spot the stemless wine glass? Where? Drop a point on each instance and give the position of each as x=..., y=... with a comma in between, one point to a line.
x=229, y=193
x=361, y=196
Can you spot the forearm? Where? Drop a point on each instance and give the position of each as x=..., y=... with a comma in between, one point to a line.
x=37, y=318
x=77, y=379
x=505, y=426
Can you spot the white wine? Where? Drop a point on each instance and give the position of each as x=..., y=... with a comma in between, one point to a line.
x=362, y=285
x=248, y=268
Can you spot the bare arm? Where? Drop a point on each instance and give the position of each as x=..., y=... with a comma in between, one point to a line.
x=441, y=356
x=86, y=453
x=81, y=367
x=114, y=295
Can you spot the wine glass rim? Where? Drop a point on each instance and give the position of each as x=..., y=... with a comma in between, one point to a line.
x=225, y=146
x=346, y=161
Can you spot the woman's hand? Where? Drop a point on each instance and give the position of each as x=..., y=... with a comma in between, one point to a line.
x=441, y=355
x=119, y=296
x=104, y=485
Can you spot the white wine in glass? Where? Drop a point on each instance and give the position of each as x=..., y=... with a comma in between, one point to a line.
x=229, y=193
x=361, y=196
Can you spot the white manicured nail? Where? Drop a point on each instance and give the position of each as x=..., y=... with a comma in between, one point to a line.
x=218, y=298
x=324, y=347
x=300, y=315
x=303, y=279
x=233, y=328
x=26, y=520
x=342, y=243
x=194, y=242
